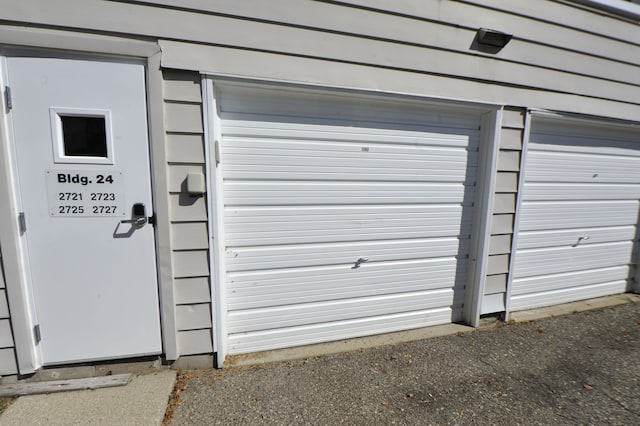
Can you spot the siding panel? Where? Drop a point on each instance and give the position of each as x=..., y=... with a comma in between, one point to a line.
x=185, y=148
x=192, y=290
x=193, y=342
x=504, y=203
x=185, y=208
x=509, y=161
x=183, y=117
x=180, y=87
x=189, y=236
x=178, y=175
x=191, y=317
x=363, y=48
x=8, y=362
x=6, y=336
x=4, y=307
x=192, y=263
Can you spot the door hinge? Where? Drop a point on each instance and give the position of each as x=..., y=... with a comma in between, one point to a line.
x=22, y=222
x=216, y=152
x=36, y=333
x=8, y=100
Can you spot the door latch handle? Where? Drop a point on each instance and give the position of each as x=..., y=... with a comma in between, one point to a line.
x=138, y=221
x=359, y=261
x=138, y=216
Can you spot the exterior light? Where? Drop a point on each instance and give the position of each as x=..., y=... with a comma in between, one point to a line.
x=493, y=38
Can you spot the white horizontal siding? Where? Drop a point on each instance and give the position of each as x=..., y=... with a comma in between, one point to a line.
x=283, y=286
x=317, y=223
x=573, y=279
x=579, y=191
x=6, y=336
x=313, y=254
x=544, y=215
x=560, y=237
x=322, y=312
x=304, y=335
x=192, y=290
x=287, y=193
x=185, y=148
x=570, y=258
x=582, y=292
x=576, y=54
x=194, y=342
x=211, y=28
x=315, y=180
x=595, y=168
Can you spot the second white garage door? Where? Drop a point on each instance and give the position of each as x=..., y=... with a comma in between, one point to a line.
x=579, y=214
x=343, y=216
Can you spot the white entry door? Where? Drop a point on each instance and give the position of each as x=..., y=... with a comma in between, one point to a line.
x=80, y=135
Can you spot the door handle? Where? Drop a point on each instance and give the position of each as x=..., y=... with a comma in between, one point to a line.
x=138, y=216
x=359, y=261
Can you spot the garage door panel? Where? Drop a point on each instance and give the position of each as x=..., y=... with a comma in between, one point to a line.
x=283, y=287
x=582, y=292
x=585, y=168
x=312, y=183
x=536, y=216
x=549, y=282
x=330, y=331
x=320, y=224
x=300, y=137
x=312, y=313
x=291, y=105
x=563, y=259
x=609, y=144
x=254, y=193
x=578, y=220
x=292, y=256
x=568, y=191
x=570, y=237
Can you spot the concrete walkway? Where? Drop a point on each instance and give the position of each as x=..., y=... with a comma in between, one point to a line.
x=141, y=402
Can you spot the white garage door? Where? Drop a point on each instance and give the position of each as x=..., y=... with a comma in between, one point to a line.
x=578, y=218
x=343, y=216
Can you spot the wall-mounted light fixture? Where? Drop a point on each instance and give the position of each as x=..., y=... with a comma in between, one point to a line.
x=488, y=37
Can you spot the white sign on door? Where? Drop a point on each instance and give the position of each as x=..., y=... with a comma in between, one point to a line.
x=73, y=193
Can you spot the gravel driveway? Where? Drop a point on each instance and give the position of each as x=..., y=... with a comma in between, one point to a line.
x=582, y=368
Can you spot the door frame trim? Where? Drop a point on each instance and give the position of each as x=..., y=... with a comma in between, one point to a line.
x=13, y=258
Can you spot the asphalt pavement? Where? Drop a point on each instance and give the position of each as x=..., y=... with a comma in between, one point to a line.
x=580, y=368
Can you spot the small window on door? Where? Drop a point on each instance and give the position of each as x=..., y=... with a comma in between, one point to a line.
x=81, y=136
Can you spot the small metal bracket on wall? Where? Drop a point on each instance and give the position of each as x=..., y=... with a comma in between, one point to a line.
x=36, y=333
x=22, y=223
x=7, y=98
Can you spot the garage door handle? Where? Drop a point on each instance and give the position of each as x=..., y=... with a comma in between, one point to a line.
x=359, y=261
x=581, y=238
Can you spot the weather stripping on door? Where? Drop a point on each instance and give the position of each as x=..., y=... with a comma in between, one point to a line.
x=359, y=261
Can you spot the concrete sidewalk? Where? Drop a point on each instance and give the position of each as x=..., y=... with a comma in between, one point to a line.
x=578, y=368
x=142, y=401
